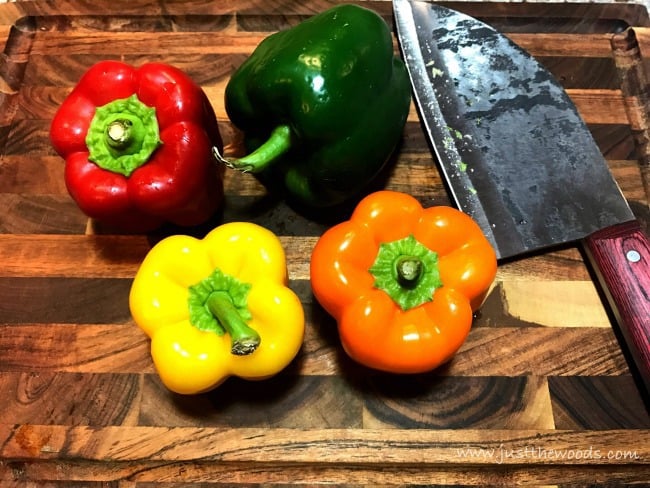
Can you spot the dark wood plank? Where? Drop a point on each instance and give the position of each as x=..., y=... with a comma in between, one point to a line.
x=69, y=399
x=285, y=401
x=426, y=402
x=64, y=300
x=597, y=402
x=40, y=214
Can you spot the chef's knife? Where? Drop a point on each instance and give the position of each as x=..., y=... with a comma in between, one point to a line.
x=518, y=158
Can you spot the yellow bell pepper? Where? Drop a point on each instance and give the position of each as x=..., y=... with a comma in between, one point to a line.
x=217, y=307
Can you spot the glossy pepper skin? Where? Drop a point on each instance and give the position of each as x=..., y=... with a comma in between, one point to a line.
x=322, y=105
x=137, y=144
x=217, y=307
x=402, y=281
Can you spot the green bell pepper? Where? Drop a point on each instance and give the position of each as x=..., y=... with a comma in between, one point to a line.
x=322, y=106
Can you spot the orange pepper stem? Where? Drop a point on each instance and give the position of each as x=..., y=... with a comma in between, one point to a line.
x=409, y=270
x=244, y=339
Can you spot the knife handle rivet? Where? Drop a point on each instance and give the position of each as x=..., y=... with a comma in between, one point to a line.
x=633, y=256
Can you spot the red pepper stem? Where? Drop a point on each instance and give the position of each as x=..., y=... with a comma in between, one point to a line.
x=244, y=339
x=123, y=135
x=119, y=133
x=409, y=270
x=278, y=143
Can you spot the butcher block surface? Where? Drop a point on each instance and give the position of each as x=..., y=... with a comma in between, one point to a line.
x=540, y=394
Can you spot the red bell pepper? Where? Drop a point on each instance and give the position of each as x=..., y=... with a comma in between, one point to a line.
x=137, y=144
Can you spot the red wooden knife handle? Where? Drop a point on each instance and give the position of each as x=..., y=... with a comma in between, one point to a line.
x=620, y=256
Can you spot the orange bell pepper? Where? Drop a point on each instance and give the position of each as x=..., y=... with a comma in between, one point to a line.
x=402, y=281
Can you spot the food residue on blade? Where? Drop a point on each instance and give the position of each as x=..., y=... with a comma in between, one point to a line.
x=435, y=72
x=449, y=142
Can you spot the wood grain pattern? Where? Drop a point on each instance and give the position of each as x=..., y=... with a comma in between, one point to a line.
x=540, y=394
x=628, y=47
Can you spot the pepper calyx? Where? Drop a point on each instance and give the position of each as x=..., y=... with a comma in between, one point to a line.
x=407, y=271
x=123, y=135
x=277, y=144
x=218, y=304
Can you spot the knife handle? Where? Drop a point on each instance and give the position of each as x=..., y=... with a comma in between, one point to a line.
x=620, y=256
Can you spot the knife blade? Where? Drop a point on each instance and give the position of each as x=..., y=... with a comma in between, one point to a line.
x=518, y=158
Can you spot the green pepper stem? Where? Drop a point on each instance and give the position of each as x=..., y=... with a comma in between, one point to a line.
x=409, y=270
x=244, y=339
x=278, y=143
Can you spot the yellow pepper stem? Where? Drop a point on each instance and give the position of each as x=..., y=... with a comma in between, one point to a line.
x=244, y=339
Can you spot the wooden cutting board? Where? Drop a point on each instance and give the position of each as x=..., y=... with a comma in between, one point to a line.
x=540, y=393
